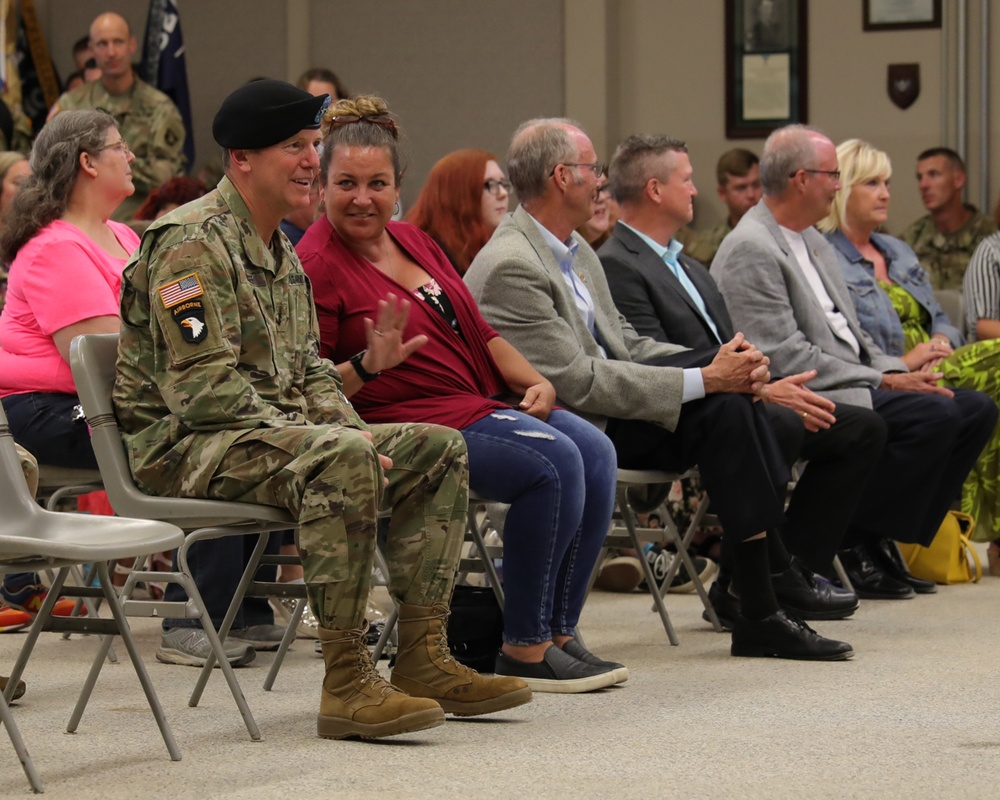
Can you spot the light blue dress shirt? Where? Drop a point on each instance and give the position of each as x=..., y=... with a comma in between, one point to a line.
x=669, y=255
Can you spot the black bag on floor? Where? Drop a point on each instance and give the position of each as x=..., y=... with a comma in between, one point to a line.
x=475, y=627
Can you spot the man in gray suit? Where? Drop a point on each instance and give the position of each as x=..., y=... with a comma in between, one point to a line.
x=671, y=298
x=664, y=406
x=783, y=286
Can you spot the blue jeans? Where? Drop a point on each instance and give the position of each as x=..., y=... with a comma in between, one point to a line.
x=559, y=478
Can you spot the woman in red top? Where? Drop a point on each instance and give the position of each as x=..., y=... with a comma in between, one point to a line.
x=555, y=470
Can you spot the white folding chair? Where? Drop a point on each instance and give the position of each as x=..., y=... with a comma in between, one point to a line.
x=93, y=358
x=631, y=536
x=33, y=539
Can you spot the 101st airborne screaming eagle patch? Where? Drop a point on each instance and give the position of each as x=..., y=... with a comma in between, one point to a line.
x=182, y=299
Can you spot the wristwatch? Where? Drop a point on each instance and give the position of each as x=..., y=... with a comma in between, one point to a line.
x=364, y=374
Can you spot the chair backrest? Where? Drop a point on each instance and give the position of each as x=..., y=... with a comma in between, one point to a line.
x=93, y=358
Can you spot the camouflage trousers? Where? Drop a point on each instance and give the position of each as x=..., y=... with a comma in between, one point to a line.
x=330, y=479
x=29, y=467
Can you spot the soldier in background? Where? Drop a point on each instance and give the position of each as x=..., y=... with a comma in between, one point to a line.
x=738, y=176
x=945, y=239
x=147, y=118
x=222, y=394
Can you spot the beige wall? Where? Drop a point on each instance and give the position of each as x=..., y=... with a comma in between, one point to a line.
x=463, y=74
x=458, y=74
x=668, y=76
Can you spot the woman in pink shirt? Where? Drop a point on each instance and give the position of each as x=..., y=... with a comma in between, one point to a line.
x=66, y=258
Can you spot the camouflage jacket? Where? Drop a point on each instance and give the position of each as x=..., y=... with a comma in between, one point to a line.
x=945, y=256
x=219, y=333
x=152, y=126
x=705, y=244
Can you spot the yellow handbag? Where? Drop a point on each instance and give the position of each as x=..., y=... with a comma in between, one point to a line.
x=946, y=560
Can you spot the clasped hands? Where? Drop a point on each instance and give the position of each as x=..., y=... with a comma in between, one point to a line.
x=741, y=368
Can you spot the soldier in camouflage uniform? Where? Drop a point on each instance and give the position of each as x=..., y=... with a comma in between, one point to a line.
x=147, y=118
x=222, y=394
x=945, y=239
x=738, y=183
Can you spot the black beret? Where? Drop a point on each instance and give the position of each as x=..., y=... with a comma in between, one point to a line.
x=263, y=113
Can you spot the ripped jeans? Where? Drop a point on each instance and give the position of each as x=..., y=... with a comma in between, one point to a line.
x=559, y=478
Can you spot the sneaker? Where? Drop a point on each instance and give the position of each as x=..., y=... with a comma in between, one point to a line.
x=557, y=672
x=30, y=597
x=259, y=637
x=660, y=560
x=189, y=647
x=13, y=619
x=284, y=607
x=619, y=574
x=581, y=653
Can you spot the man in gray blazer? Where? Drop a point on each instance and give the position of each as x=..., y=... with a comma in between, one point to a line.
x=664, y=406
x=783, y=286
x=672, y=298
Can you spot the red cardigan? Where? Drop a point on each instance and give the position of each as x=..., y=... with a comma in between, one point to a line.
x=447, y=381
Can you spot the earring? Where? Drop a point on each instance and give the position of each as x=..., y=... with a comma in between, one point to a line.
x=395, y=212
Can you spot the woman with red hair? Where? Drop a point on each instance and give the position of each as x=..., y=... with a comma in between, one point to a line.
x=172, y=194
x=463, y=201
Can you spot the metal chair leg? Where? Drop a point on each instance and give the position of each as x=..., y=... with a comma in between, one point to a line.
x=286, y=641
x=252, y=566
x=7, y=720
x=140, y=668
x=630, y=524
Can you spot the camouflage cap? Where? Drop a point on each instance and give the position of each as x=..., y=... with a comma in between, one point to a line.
x=262, y=113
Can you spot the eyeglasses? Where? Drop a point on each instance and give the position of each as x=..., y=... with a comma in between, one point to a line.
x=121, y=146
x=605, y=189
x=597, y=167
x=833, y=173
x=494, y=187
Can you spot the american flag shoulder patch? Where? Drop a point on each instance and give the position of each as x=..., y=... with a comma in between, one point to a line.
x=180, y=290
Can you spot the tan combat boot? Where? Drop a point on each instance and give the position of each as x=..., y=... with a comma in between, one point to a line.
x=357, y=701
x=425, y=667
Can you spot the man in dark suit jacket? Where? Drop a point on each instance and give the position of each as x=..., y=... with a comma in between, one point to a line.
x=671, y=298
x=665, y=407
x=783, y=285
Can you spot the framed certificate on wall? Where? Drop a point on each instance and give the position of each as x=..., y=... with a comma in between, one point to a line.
x=897, y=15
x=766, y=66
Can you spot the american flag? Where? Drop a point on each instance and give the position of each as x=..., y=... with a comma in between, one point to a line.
x=179, y=291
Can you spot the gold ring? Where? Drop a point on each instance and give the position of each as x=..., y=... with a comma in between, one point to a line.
x=805, y=414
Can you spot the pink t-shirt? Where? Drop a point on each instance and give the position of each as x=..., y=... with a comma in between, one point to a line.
x=60, y=277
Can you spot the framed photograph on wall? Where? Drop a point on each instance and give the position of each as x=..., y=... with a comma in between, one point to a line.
x=900, y=15
x=766, y=66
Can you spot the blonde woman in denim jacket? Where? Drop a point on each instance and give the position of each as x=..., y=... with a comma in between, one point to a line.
x=895, y=304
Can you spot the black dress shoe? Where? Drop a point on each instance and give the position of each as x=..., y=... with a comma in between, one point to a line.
x=869, y=579
x=886, y=555
x=783, y=636
x=807, y=596
x=725, y=604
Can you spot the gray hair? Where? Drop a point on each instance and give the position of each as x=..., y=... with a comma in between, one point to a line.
x=55, y=165
x=632, y=164
x=786, y=151
x=537, y=146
